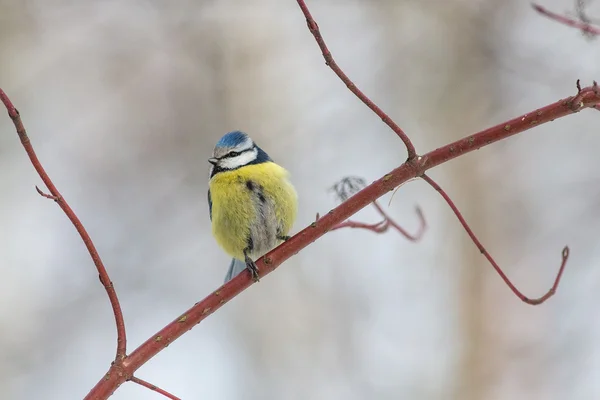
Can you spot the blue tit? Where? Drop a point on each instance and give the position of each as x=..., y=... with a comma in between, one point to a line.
x=252, y=203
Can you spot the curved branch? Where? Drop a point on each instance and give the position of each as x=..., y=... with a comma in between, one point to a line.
x=412, y=237
x=329, y=61
x=583, y=26
x=378, y=227
x=62, y=203
x=153, y=388
x=351, y=185
x=386, y=223
x=486, y=254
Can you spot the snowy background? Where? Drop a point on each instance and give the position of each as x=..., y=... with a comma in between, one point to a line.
x=124, y=100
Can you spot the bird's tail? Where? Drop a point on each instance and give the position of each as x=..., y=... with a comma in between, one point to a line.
x=235, y=268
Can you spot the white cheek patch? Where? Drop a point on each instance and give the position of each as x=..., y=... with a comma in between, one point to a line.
x=239, y=161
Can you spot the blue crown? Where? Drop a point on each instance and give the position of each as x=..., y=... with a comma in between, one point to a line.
x=232, y=139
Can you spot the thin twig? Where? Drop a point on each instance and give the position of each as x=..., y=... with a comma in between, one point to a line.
x=57, y=197
x=412, y=237
x=351, y=185
x=585, y=27
x=386, y=223
x=329, y=61
x=153, y=387
x=379, y=227
x=483, y=250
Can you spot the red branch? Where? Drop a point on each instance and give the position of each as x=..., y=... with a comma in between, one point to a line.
x=62, y=203
x=385, y=224
x=585, y=27
x=482, y=249
x=329, y=61
x=378, y=227
x=153, y=387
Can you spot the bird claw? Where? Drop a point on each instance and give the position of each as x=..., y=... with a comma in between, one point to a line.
x=251, y=265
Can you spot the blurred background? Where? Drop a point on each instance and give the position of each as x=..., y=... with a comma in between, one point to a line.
x=124, y=101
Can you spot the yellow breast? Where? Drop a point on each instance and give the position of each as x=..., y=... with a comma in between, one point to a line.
x=233, y=207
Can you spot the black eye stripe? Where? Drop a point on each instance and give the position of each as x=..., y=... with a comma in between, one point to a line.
x=232, y=154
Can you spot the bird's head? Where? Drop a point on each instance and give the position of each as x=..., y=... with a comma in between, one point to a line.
x=234, y=150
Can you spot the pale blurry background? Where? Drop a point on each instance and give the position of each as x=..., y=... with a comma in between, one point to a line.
x=124, y=101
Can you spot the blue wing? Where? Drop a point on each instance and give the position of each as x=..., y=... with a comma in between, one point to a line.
x=209, y=205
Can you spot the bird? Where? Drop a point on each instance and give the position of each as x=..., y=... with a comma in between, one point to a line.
x=252, y=203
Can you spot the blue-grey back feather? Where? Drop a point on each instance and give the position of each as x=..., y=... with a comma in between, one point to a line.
x=261, y=157
x=235, y=268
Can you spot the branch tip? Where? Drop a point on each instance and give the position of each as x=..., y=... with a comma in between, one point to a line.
x=487, y=255
x=566, y=253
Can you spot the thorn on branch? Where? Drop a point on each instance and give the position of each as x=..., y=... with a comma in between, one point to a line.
x=482, y=249
x=46, y=195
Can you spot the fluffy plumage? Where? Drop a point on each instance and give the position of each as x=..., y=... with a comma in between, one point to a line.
x=252, y=203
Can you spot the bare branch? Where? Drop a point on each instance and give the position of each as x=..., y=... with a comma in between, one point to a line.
x=584, y=26
x=378, y=227
x=412, y=237
x=329, y=61
x=351, y=185
x=62, y=203
x=482, y=249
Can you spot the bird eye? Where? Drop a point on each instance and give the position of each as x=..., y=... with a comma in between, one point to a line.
x=233, y=154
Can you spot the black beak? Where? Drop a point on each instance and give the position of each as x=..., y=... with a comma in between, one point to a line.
x=213, y=161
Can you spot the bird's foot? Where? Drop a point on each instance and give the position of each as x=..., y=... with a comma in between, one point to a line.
x=251, y=265
x=284, y=238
